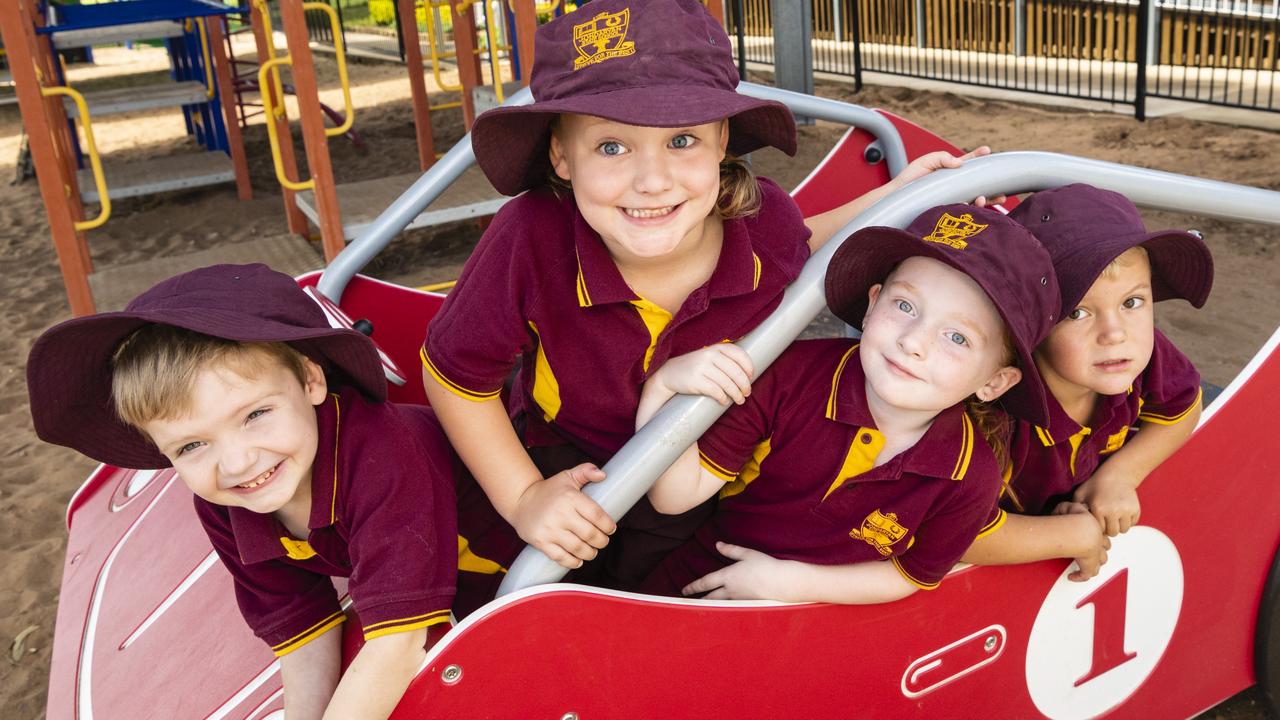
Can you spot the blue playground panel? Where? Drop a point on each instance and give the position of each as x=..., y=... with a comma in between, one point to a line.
x=84, y=17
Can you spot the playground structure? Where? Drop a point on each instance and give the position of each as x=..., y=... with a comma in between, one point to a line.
x=209, y=86
x=1172, y=625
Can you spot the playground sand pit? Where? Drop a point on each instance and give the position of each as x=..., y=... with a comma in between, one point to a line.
x=38, y=479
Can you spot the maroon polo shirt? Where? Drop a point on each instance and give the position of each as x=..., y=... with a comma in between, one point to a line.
x=1048, y=463
x=798, y=460
x=382, y=514
x=542, y=286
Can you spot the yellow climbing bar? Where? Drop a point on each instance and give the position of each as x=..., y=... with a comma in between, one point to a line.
x=208, y=64
x=95, y=161
x=265, y=14
x=272, y=136
x=341, y=52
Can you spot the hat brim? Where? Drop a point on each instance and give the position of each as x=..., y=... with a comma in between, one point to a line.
x=69, y=375
x=511, y=144
x=868, y=256
x=1181, y=266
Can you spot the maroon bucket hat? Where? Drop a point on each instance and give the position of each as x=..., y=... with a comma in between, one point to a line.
x=69, y=368
x=652, y=63
x=1084, y=228
x=1006, y=261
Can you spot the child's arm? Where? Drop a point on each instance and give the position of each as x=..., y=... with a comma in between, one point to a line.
x=721, y=371
x=552, y=515
x=1071, y=532
x=757, y=576
x=377, y=677
x=1112, y=493
x=824, y=225
x=310, y=675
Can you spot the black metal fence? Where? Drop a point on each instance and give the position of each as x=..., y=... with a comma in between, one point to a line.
x=1225, y=52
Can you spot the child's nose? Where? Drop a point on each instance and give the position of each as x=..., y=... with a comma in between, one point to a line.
x=653, y=173
x=1111, y=330
x=236, y=459
x=911, y=341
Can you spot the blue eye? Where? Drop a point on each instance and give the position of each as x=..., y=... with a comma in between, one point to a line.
x=681, y=142
x=188, y=448
x=258, y=413
x=957, y=338
x=610, y=147
x=906, y=307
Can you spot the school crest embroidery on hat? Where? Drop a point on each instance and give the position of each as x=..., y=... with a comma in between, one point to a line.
x=880, y=531
x=601, y=38
x=954, y=231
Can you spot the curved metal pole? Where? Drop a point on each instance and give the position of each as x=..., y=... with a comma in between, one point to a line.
x=681, y=421
x=895, y=153
x=379, y=233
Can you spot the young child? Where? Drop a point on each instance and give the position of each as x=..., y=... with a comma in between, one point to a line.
x=301, y=471
x=1106, y=368
x=848, y=453
x=640, y=238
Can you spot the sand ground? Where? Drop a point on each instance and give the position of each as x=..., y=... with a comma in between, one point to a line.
x=37, y=479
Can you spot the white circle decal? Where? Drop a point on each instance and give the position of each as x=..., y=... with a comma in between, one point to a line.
x=1094, y=643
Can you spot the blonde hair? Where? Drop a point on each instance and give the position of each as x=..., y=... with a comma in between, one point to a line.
x=1124, y=259
x=993, y=423
x=154, y=369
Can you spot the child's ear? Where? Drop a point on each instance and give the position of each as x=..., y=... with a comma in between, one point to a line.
x=558, y=161
x=315, y=386
x=724, y=138
x=1005, y=378
x=872, y=294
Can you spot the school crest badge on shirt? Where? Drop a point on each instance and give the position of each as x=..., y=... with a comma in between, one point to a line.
x=954, y=231
x=880, y=531
x=601, y=38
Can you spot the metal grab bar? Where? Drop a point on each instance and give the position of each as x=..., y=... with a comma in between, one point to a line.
x=265, y=13
x=635, y=467
x=95, y=161
x=413, y=201
x=340, y=51
x=208, y=64
x=273, y=138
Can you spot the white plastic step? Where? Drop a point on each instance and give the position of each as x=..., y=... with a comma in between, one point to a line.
x=360, y=203
x=151, y=30
x=147, y=177
x=145, y=97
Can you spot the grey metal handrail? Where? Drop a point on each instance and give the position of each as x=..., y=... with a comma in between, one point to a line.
x=379, y=233
x=684, y=418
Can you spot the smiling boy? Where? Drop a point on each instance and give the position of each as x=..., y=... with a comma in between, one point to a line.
x=300, y=469
x=1107, y=370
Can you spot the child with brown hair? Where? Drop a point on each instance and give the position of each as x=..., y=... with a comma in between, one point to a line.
x=1106, y=369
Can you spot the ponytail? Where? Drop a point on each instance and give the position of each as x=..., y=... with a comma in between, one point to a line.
x=739, y=191
x=995, y=427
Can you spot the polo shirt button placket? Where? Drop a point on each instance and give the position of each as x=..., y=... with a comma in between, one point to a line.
x=866, y=438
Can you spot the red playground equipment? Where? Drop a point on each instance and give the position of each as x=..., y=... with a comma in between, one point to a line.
x=1182, y=616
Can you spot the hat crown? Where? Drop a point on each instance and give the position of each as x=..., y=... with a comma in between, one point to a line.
x=254, y=290
x=610, y=45
x=1065, y=217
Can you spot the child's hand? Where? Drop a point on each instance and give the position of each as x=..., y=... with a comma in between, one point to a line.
x=721, y=372
x=755, y=576
x=567, y=526
x=1113, y=500
x=1092, y=545
x=940, y=159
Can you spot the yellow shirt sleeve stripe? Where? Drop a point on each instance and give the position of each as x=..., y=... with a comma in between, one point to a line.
x=907, y=575
x=1172, y=419
x=309, y=634
x=994, y=525
x=427, y=621
x=452, y=386
x=719, y=471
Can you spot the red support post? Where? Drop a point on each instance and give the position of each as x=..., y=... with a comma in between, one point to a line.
x=311, y=119
x=464, y=44
x=216, y=27
x=417, y=83
x=526, y=27
x=46, y=129
x=297, y=221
